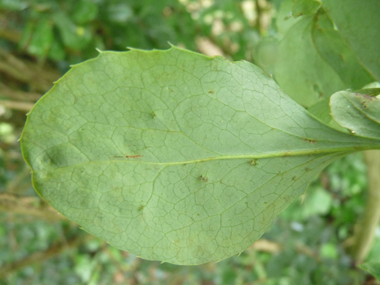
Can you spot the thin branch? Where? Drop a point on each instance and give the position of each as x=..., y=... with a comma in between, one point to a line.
x=10, y=35
x=39, y=77
x=30, y=206
x=15, y=105
x=18, y=95
x=365, y=228
x=41, y=256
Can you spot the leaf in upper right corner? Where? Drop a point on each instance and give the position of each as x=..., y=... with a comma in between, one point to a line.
x=372, y=267
x=314, y=62
x=305, y=7
x=358, y=112
x=358, y=23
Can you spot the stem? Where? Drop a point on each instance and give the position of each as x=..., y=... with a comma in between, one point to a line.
x=365, y=228
x=28, y=206
x=15, y=105
x=18, y=95
x=259, y=11
x=41, y=256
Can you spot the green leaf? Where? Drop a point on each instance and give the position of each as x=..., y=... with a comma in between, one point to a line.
x=358, y=112
x=15, y=5
x=42, y=38
x=84, y=12
x=358, y=22
x=305, y=7
x=73, y=36
x=369, y=91
x=284, y=17
x=266, y=53
x=173, y=155
x=334, y=51
x=313, y=62
x=321, y=110
x=372, y=267
x=300, y=70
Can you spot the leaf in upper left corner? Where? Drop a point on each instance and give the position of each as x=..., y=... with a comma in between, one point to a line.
x=305, y=7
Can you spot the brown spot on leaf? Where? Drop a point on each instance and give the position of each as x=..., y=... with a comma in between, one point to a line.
x=134, y=156
x=309, y=140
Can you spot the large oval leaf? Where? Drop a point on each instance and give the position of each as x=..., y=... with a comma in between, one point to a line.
x=173, y=155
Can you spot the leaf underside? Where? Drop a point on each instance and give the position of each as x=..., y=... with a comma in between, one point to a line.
x=172, y=155
x=358, y=112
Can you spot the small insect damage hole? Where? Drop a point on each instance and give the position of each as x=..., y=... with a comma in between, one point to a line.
x=203, y=178
x=253, y=162
x=318, y=90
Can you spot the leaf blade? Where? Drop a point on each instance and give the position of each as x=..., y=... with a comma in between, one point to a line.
x=358, y=112
x=158, y=152
x=356, y=29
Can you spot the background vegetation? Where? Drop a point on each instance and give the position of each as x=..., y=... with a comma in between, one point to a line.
x=310, y=243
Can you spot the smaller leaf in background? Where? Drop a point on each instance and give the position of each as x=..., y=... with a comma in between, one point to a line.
x=119, y=13
x=13, y=5
x=359, y=29
x=372, y=267
x=333, y=50
x=369, y=91
x=314, y=62
x=265, y=54
x=27, y=34
x=300, y=70
x=73, y=36
x=284, y=17
x=84, y=12
x=358, y=112
x=57, y=51
x=305, y=7
x=42, y=37
x=329, y=250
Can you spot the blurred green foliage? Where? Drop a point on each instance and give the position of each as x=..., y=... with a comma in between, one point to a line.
x=306, y=245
